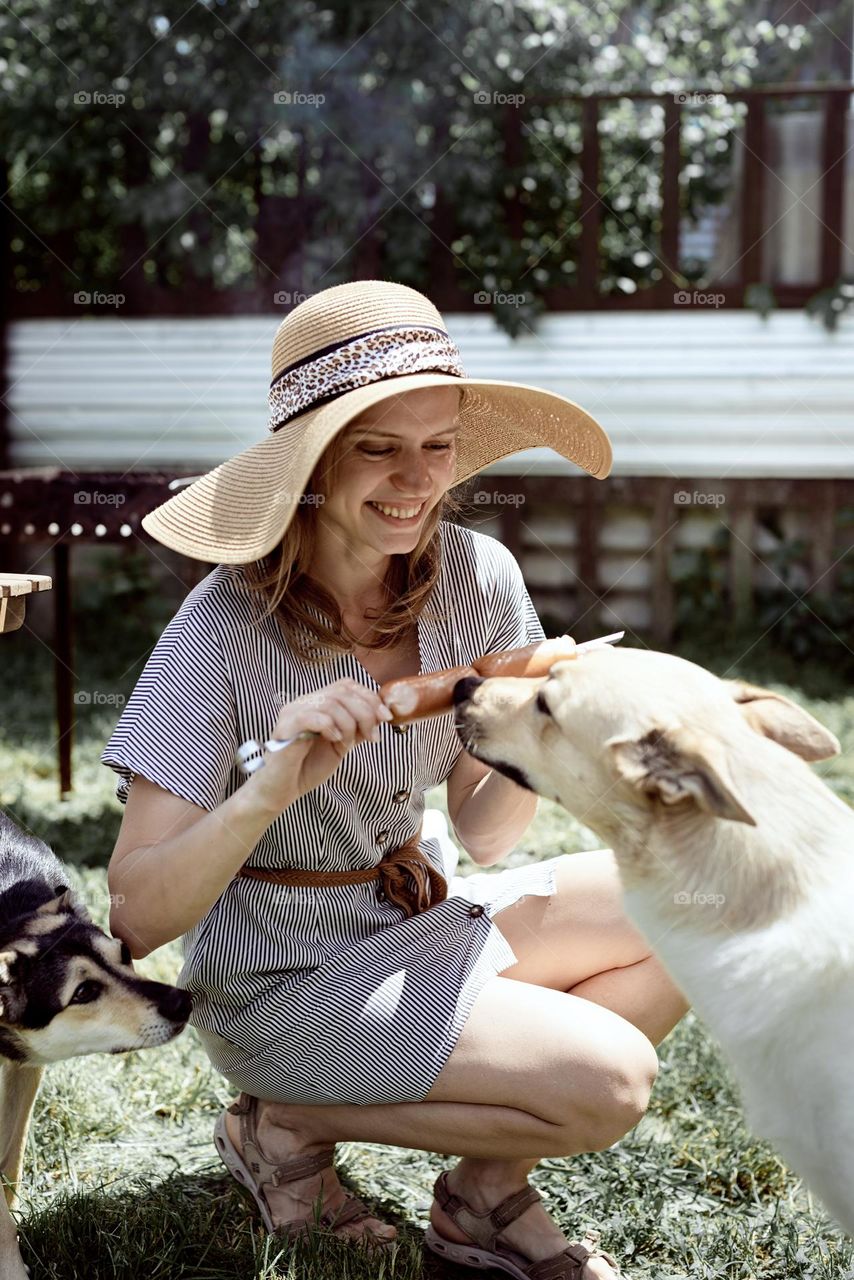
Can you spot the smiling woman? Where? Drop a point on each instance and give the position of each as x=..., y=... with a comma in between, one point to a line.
x=368, y=573
x=334, y=959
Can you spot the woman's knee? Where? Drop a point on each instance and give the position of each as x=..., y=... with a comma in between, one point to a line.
x=620, y=1093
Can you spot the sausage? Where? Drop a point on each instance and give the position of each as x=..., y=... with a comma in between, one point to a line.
x=533, y=660
x=420, y=697
x=423, y=696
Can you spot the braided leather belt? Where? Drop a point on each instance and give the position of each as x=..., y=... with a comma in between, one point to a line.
x=407, y=878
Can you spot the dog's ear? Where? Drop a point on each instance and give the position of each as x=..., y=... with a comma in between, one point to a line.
x=676, y=764
x=66, y=900
x=8, y=960
x=62, y=901
x=783, y=720
x=10, y=998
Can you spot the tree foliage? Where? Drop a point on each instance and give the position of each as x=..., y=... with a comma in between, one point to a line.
x=252, y=151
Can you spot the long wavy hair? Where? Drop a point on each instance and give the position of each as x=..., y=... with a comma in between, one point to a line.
x=307, y=613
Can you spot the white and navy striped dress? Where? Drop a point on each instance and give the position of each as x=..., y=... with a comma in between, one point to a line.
x=327, y=994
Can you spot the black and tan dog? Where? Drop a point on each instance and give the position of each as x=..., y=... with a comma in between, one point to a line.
x=66, y=989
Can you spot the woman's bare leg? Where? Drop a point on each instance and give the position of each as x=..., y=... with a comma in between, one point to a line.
x=584, y=1066
x=556, y=940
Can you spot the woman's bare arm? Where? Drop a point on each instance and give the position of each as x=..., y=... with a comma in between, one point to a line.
x=173, y=859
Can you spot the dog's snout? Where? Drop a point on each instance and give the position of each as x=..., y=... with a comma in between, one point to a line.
x=176, y=1004
x=464, y=688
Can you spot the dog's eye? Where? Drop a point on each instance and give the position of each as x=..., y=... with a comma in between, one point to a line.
x=541, y=704
x=86, y=992
x=126, y=955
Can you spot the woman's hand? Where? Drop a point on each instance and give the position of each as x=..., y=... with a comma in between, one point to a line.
x=343, y=714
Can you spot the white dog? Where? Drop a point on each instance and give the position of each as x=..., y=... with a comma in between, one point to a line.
x=737, y=863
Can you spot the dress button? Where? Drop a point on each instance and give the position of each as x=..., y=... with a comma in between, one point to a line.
x=401, y=728
x=476, y=910
x=382, y=837
x=400, y=796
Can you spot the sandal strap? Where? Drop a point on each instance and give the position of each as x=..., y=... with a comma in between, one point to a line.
x=267, y=1171
x=352, y=1210
x=484, y=1228
x=513, y=1206
x=570, y=1262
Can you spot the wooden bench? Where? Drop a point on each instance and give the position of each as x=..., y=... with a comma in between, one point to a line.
x=14, y=589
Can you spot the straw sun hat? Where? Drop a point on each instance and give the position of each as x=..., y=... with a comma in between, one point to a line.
x=335, y=355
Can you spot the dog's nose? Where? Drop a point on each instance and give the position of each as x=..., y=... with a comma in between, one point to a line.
x=176, y=1004
x=464, y=688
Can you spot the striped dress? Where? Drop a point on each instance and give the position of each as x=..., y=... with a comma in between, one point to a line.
x=328, y=994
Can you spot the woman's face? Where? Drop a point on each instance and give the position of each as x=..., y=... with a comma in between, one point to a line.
x=400, y=456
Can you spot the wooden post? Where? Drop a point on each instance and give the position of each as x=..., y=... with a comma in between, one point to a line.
x=670, y=198
x=514, y=152
x=741, y=565
x=511, y=526
x=833, y=185
x=5, y=292
x=591, y=208
x=63, y=650
x=589, y=593
x=664, y=517
x=752, y=190
x=444, y=289
x=823, y=548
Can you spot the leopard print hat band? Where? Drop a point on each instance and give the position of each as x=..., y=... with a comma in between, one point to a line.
x=372, y=356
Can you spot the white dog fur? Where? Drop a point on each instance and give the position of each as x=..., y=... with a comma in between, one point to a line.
x=737, y=863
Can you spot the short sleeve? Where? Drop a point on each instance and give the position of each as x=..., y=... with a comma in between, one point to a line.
x=179, y=726
x=513, y=619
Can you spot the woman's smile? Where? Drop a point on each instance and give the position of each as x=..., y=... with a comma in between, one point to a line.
x=398, y=513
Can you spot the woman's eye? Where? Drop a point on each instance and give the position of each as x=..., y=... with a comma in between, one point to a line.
x=379, y=453
x=86, y=992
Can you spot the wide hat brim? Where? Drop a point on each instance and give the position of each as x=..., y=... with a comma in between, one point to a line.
x=239, y=511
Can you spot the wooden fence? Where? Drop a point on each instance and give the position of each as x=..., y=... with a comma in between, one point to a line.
x=597, y=556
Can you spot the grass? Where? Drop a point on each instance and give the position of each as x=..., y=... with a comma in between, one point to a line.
x=121, y=1176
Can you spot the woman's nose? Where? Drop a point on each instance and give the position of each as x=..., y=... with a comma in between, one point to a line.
x=414, y=474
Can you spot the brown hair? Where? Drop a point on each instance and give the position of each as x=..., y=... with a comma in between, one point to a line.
x=287, y=590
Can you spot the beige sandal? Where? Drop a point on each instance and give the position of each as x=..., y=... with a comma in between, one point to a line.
x=484, y=1229
x=255, y=1172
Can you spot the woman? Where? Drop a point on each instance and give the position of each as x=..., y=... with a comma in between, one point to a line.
x=500, y=1018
